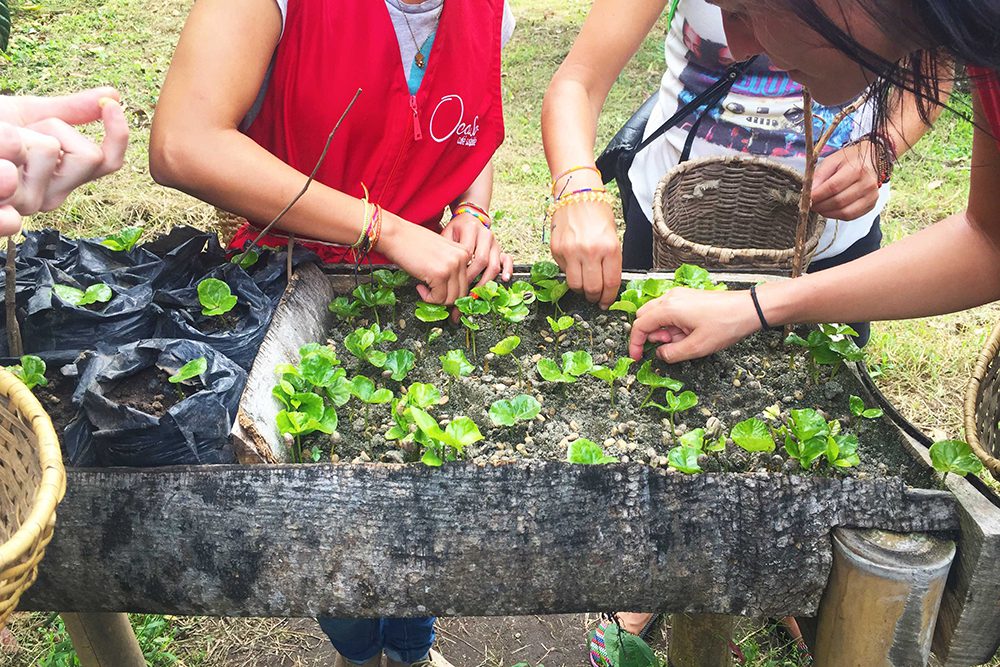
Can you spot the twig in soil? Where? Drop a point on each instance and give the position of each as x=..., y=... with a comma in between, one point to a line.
x=455, y=637
x=312, y=175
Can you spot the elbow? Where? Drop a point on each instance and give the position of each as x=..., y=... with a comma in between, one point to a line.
x=170, y=158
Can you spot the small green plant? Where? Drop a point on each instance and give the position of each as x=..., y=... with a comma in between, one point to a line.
x=685, y=459
x=215, y=296
x=470, y=307
x=551, y=291
x=543, y=271
x=629, y=301
x=97, y=293
x=456, y=364
x=587, y=452
x=345, y=308
x=574, y=366
x=829, y=345
x=610, y=375
x=306, y=413
x=522, y=407
x=373, y=296
x=446, y=444
x=559, y=325
x=808, y=437
x=418, y=394
x=391, y=279
x=245, y=259
x=858, y=409
x=434, y=334
x=399, y=363
x=650, y=378
x=124, y=240
x=695, y=277
x=363, y=388
x=31, y=371
x=191, y=369
x=505, y=347
x=753, y=435
x=430, y=312
x=955, y=457
x=676, y=403
x=363, y=344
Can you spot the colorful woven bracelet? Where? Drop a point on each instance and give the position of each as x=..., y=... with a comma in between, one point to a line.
x=475, y=211
x=365, y=218
x=564, y=174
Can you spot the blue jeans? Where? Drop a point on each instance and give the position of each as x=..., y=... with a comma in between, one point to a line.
x=404, y=640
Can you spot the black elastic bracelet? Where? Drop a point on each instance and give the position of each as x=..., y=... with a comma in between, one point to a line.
x=756, y=304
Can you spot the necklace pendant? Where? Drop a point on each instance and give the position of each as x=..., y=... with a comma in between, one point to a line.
x=419, y=60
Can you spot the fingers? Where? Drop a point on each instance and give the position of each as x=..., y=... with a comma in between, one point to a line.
x=43, y=153
x=115, y=135
x=506, y=267
x=648, y=320
x=611, y=273
x=75, y=109
x=79, y=161
x=10, y=221
x=9, y=179
x=835, y=178
x=850, y=204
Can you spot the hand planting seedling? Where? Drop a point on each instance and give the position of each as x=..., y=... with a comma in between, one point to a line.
x=609, y=375
x=830, y=345
x=345, y=308
x=574, y=365
x=363, y=344
x=470, y=307
x=676, y=403
x=954, y=457
x=97, y=293
x=430, y=312
x=522, y=407
x=191, y=369
x=858, y=409
x=587, y=452
x=753, y=435
x=124, y=240
x=215, y=297
x=31, y=371
x=650, y=378
x=372, y=297
x=446, y=444
x=399, y=363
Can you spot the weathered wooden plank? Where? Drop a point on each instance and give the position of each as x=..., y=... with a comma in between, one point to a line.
x=372, y=540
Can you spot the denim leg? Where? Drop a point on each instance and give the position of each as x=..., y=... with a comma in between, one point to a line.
x=408, y=639
x=357, y=639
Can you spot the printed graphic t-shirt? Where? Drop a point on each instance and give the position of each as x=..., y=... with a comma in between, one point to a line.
x=762, y=115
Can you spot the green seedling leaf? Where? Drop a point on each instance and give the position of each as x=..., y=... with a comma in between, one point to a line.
x=359, y=342
x=506, y=346
x=98, y=293
x=808, y=423
x=560, y=325
x=430, y=458
x=647, y=376
x=399, y=363
x=124, y=240
x=292, y=422
x=577, y=363
x=215, y=296
x=587, y=452
x=522, y=407
x=543, y=271
x=609, y=375
x=191, y=369
x=753, y=435
x=551, y=291
x=521, y=292
x=345, y=308
x=307, y=403
x=469, y=323
x=684, y=459
x=488, y=291
x=550, y=372
x=339, y=391
x=955, y=456
x=654, y=288
x=695, y=277
x=627, y=650
x=430, y=312
x=630, y=302
x=245, y=259
x=842, y=451
x=31, y=371
x=462, y=432
x=469, y=305
x=858, y=409
x=423, y=395
x=320, y=370
x=434, y=334
x=391, y=279
x=515, y=313
x=694, y=439
x=456, y=364
x=806, y=451
x=681, y=402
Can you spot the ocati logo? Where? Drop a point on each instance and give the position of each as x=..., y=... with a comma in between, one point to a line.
x=448, y=120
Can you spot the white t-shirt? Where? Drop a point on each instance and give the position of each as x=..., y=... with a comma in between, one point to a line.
x=761, y=115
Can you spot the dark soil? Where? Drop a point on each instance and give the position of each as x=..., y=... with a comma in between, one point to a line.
x=150, y=391
x=57, y=399
x=733, y=385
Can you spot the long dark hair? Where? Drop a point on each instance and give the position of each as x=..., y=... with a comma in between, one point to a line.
x=946, y=33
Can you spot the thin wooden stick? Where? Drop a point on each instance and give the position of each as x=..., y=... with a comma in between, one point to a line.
x=322, y=156
x=805, y=201
x=14, y=343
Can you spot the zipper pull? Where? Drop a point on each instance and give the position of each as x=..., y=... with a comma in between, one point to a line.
x=417, y=135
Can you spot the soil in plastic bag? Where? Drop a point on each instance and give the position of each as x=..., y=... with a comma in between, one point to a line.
x=132, y=416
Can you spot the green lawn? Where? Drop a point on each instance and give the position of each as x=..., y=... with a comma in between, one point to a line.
x=63, y=45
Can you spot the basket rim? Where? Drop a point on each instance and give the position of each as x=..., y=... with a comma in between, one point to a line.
x=52, y=485
x=986, y=357
x=783, y=254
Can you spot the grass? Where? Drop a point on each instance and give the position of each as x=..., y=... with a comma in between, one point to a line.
x=59, y=46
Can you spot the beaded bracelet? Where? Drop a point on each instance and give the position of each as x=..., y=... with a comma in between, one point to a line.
x=583, y=167
x=475, y=211
x=593, y=195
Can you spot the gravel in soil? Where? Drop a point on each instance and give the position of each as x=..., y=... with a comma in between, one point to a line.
x=149, y=391
x=732, y=385
x=57, y=399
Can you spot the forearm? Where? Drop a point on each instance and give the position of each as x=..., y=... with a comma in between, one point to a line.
x=480, y=192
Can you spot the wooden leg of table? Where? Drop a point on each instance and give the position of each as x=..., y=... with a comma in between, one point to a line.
x=104, y=640
x=882, y=599
x=700, y=640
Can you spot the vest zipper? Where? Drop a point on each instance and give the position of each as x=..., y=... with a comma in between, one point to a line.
x=417, y=136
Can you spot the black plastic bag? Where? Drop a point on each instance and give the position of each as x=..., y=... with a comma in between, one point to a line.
x=236, y=334
x=195, y=430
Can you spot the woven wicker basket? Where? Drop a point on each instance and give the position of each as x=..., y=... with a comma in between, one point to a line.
x=982, y=405
x=32, y=482
x=733, y=212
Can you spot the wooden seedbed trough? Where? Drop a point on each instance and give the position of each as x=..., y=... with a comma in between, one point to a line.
x=523, y=538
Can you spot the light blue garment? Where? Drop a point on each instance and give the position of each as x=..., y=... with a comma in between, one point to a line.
x=417, y=73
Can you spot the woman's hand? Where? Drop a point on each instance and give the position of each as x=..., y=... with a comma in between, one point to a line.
x=689, y=324
x=488, y=261
x=438, y=264
x=43, y=157
x=846, y=183
x=585, y=245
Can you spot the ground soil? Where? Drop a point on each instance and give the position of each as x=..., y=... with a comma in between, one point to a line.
x=732, y=386
x=57, y=399
x=149, y=391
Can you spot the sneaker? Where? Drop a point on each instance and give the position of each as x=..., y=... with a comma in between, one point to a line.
x=341, y=661
x=433, y=659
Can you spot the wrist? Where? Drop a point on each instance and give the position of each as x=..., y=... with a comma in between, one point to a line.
x=575, y=178
x=473, y=211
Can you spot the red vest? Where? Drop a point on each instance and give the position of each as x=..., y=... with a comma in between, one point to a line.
x=416, y=153
x=987, y=84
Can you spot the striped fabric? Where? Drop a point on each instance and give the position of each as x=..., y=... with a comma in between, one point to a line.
x=598, y=652
x=987, y=84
